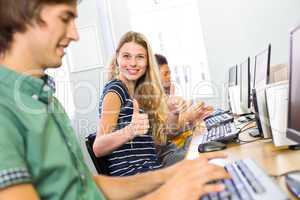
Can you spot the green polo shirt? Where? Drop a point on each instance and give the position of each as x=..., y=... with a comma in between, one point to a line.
x=37, y=143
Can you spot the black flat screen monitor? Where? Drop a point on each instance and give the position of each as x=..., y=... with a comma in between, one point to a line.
x=252, y=75
x=262, y=68
x=293, y=128
x=245, y=83
x=232, y=76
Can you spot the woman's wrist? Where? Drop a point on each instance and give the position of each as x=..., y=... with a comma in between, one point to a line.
x=129, y=132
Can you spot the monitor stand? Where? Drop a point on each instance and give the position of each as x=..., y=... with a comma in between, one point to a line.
x=256, y=114
x=246, y=114
x=246, y=117
x=254, y=133
x=294, y=147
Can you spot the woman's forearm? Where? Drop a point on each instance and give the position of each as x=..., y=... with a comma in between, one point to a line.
x=106, y=143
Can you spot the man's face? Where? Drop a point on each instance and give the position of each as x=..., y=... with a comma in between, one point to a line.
x=48, y=40
x=165, y=75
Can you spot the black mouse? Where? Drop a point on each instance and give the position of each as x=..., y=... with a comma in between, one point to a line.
x=293, y=184
x=211, y=146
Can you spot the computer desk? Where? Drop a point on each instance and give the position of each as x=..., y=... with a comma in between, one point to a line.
x=273, y=160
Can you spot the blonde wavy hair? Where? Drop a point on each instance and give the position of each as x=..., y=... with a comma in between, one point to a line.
x=148, y=90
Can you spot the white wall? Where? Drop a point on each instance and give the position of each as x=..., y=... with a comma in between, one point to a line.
x=234, y=30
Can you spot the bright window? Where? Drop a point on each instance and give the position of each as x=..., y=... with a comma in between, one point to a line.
x=174, y=30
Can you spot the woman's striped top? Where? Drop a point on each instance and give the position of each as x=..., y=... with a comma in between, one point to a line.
x=135, y=156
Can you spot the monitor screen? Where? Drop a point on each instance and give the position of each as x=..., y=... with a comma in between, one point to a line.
x=245, y=83
x=293, y=130
x=262, y=67
x=252, y=70
x=232, y=76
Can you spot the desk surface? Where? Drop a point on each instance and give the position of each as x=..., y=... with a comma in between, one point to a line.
x=273, y=160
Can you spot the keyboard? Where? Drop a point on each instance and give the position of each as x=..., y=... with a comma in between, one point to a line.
x=249, y=182
x=222, y=133
x=217, y=112
x=217, y=120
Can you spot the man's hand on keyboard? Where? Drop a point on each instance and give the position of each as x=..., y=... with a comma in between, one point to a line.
x=193, y=179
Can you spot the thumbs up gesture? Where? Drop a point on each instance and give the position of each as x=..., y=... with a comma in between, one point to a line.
x=139, y=122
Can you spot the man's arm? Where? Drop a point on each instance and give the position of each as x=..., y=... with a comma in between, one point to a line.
x=186, y=180
x=13, y=165
x=132, y=187
x=17, y=192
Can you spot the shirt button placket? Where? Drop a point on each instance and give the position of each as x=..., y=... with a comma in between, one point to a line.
x=70, y=145
x=46, y=88
x=82, y=177
x=34, y=96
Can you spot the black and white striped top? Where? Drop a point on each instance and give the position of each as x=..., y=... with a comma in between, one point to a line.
x=138, y=155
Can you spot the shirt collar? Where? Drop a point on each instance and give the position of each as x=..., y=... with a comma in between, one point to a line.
x=39, y=88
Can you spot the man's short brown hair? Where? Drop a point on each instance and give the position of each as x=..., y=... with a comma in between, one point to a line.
x=15, y=15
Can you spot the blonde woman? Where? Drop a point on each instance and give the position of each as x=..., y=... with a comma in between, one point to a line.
x=133, y=110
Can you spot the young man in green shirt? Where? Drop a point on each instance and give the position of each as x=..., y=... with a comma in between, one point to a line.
x=40, y=158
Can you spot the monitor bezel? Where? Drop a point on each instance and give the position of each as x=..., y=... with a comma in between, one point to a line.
x=268, y=66
x=291, y=133
x=248, y=82
x=236, y=77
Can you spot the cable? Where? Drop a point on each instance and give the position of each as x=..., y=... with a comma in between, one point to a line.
x=241, y=129
x=241, y=142
x=285, y=173
x=248, y=128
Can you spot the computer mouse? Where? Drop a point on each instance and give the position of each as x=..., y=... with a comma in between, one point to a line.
x=293, y=183
x=211, y=146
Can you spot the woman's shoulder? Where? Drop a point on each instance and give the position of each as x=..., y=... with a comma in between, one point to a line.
x=116, y=86
x=114, y=82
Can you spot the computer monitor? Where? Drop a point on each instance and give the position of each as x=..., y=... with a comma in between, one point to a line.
x=293, y=127
x=245, y=83
x=262, y=68
x=232, y=81
x=234, y=91
x=252, y=75
x=261, y=77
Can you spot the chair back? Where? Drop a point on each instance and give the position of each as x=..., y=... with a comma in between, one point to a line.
x=100, y=163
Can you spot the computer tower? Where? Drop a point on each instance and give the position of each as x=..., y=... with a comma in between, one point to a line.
x=234, y=97
x=277, y=103
x=261, y=112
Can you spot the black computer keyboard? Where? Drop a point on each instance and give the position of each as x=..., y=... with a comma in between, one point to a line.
x=217, y=120
x=248, y=182
x=217, y=112
x=222, y=133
